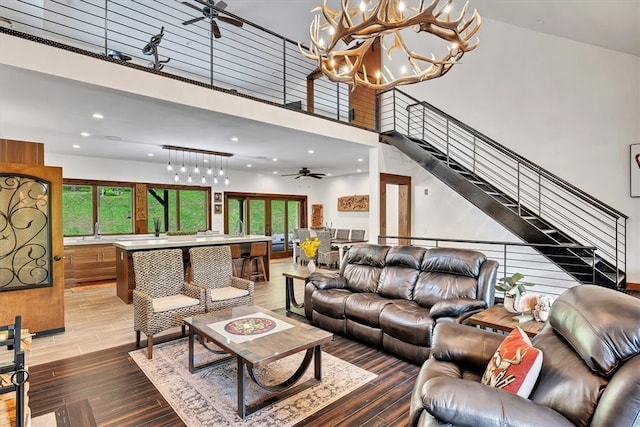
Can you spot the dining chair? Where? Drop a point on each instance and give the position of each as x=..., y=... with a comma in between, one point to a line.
x=161, y=298
x=212, y=270
x=342, y=234
x=236, y=255
x=326, y=255
x=256, y=256
x=303, y=234
x=357, y=234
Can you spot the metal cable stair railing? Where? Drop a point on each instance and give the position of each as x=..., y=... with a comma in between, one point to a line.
x=531, y=202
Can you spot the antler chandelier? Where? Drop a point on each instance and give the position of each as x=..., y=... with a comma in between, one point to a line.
x=340, y=41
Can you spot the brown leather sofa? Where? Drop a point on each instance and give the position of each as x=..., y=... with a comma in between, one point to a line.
x=390, y=297
x=590, y=371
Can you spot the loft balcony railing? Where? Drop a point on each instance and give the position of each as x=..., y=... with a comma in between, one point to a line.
x=255, y=62
x=249, y=60
x=586, y=219
x=513, y=257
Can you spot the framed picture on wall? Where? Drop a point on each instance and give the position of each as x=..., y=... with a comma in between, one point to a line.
x=634, y=160
x=217, y=197
x=217, y=208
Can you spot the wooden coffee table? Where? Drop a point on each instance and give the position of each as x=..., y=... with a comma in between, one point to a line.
x=255, y=336
x=498, y=318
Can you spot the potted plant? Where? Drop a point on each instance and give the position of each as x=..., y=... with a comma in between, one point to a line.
x=310, y=248
x=513, y=289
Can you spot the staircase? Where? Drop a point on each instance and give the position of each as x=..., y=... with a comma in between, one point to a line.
x=529, y=201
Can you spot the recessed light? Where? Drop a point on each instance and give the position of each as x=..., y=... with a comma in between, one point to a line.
x=75, y=146
x=249, y=165
x=234, y=138
x=97, y=116
x=310, y=151
x=361, y=160
x=328, y=174
x=150, y=154
x=274, y=159
x=85, y=134
x=358, y=170
x=205, y=160
x=275, y=172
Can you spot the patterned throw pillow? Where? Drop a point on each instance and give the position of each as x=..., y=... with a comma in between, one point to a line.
x=515, y=365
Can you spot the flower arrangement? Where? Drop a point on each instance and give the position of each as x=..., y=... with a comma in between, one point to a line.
x=310, y=247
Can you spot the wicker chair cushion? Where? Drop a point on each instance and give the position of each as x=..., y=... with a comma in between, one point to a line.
x=173, y=302
x=228, y=292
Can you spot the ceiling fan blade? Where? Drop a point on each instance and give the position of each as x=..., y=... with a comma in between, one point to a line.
x=290, y=174
x=191, y=21
x=191, y=6
x=230, y=21
x=297, y=176
x=315, y=175
x=215, y=29
x=221, y=5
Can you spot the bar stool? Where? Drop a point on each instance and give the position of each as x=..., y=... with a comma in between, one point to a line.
x=236, y=255
x=257, y=254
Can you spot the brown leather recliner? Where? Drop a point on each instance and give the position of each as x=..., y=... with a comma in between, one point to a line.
x=590, y=372
x=390, y=297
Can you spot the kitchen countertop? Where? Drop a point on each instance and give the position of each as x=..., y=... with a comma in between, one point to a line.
x=179, y=241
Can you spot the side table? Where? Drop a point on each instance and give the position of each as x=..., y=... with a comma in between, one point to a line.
x=498, y=318
x=290, y=296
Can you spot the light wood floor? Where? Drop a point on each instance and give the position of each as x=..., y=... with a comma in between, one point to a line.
x=96, y=319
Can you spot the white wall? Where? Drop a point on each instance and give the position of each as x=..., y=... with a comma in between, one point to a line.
x=570, y=107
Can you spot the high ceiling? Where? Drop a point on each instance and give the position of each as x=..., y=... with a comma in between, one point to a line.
x=133, y=133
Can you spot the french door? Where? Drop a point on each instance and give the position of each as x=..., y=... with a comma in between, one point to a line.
x=275, y=215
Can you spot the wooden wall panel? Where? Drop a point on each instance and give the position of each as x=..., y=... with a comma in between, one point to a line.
x=27, y=153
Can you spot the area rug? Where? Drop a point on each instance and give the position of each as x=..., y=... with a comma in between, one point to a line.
x=208, y=397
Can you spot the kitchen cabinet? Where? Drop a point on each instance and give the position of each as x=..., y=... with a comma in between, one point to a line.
x=89, y=263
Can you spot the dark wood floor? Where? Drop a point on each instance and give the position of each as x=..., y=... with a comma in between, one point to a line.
x=119, y=394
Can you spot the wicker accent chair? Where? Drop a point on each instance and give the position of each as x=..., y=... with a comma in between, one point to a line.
x=326, y=255
x=162, y=299
x=211, y=270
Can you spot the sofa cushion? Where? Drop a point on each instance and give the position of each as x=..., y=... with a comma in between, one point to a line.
x=330, y=302
x=462, y=262
x=173, y=302
x=363, y=266
x=603, y=341
x=365, y=308
x=564, y=375
x=227, y=292
x=432, y=287
x=515, y=365
x=408, y=322
x=402, y=266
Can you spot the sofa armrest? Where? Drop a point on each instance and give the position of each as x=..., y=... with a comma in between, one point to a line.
x=327, y=281
x=463, y=402
x=470, y=347
x=454, y=307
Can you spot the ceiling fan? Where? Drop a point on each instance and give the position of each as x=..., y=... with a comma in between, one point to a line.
x=210, y=12
x=304, y=172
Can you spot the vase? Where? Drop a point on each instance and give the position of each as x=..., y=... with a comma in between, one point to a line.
x=311, y=266
x=509, y=304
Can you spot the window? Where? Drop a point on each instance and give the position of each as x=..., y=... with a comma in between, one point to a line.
x=77, y=210
x=181, y=209
x=84, y=205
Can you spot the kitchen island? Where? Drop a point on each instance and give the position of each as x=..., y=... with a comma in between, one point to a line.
x=125, y=278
